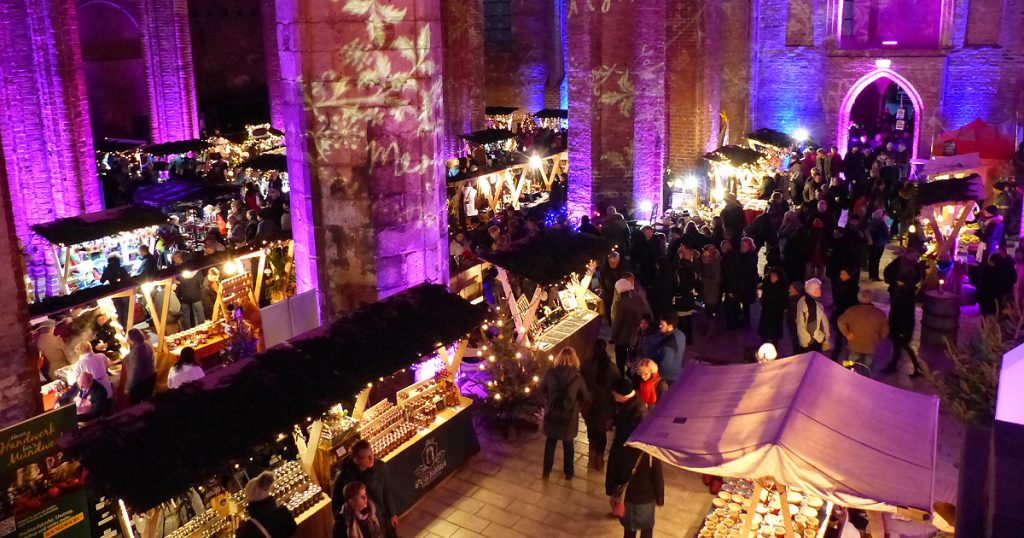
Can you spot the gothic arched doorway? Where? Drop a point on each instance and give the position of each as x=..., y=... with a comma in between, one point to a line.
x=882, y=103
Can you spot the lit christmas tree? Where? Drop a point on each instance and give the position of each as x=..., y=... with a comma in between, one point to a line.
x=512, y=376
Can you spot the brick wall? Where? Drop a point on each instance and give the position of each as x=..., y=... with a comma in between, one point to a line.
x=44, y=122
x=19, y=380
x=167, y=47
x=463, y=25
x=363, y=118
x=275, y=88
x=518, y=71
x=804, y=86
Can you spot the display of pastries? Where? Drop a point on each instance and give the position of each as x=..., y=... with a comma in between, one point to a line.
x=729, y=514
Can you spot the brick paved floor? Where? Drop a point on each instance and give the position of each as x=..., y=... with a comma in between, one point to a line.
x=500, y=494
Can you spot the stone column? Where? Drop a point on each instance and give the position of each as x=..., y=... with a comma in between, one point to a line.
x=44, y=122
x=19, y=380
x=167, y=47
x=463, y=24
x=582, y=110
x=275, y=87
x=363, y=119
x=649, y=104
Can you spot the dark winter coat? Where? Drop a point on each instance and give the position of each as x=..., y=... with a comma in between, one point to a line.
x=774, y=298
x=598, y=379
x=686, y=285
x=608, y=276
x=902, y=299
x=627, y=310
x=664, y=286
x=276, y=519
x=795, y=253
x=628, y=416
x=734, y=218
x=563, y=382
x=746, y=286
x=647, y=484
x=378, y=487
x=844, y=296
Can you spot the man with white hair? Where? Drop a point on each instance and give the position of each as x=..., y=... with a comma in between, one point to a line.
x=812, y=327
x=863, y=325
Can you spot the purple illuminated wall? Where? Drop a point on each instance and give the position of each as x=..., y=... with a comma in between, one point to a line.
x=463, y=24
x=275, y=86
x=581, y=113
x=985, y=82
x=44, y=123
x=169, y=70
x=363, y=113
x=649, y=103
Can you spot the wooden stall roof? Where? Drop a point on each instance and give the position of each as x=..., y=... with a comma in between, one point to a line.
x=551, y=255
x=93, y=226
x=182, y=437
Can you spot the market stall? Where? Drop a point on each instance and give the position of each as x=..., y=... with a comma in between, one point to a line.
x=947, y=206
x=777, y=147
x=81, y=245
x=805, y=434
x=500, y=117
x=265, y=168
x=737, y=170
x=552, y=118
x=194, y=203
x=519, y=186
x=994, y=150
x=545, y=289
x=258, y=413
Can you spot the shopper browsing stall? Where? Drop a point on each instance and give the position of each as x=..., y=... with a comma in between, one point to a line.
x=361, y=466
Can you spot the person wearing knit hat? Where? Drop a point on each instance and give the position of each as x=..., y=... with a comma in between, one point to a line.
x=812, y=325
x=628, y=308
x=267, y=519
x=629, y=412
x=863, y=326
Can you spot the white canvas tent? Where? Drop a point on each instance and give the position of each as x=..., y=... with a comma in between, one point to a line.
x=806, y=422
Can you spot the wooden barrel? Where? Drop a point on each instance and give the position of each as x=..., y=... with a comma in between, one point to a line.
x=940, y=317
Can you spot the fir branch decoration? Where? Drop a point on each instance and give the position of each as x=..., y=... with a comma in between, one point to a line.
x=971, y=387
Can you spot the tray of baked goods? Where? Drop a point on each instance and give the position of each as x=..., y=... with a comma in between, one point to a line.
x=730, y=515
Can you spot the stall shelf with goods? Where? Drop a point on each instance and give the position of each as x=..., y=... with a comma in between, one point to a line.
x=81, y=245
x=545, y=289
x=802, y=425
x=521, y=185
x=946, y=207
x=259, y=413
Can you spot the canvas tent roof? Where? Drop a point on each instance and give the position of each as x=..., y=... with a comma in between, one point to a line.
x=807, y=422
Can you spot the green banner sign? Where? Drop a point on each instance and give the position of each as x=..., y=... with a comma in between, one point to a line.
x=43, y=494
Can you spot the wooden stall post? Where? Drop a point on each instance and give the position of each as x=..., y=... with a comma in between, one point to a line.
x=258, y=280
x=787, y=518
x=63, y=268
x=510, y=297
x=755, y=497
x=530, y=314
x=360, y=405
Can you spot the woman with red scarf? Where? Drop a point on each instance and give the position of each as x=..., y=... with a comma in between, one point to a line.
x=652, y=386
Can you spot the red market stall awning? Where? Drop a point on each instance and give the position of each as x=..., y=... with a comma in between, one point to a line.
x=975, y=137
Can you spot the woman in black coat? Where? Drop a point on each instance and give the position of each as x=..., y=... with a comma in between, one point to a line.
x=599, y=374
x=732, y=276
x=685, y=295
x=565, y=394
x=793, y=295
x=773, y=306
x=663, y=287
x=746, y=284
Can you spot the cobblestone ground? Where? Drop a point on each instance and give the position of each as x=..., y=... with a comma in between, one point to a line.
x=499, y=493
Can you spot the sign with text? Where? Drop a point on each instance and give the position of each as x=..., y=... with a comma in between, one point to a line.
x=43, y=495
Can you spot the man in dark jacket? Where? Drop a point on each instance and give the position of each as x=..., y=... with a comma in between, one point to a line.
x=615, y=229
x=645, y=255
x=902, y=275
x=610, y=272
x=148, y=267
x=991, y=232
x=629, y=412
x=362, y=466
x=733, y=217
x=627, y=310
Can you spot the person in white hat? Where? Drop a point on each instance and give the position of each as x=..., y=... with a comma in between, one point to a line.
x=812, y=327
